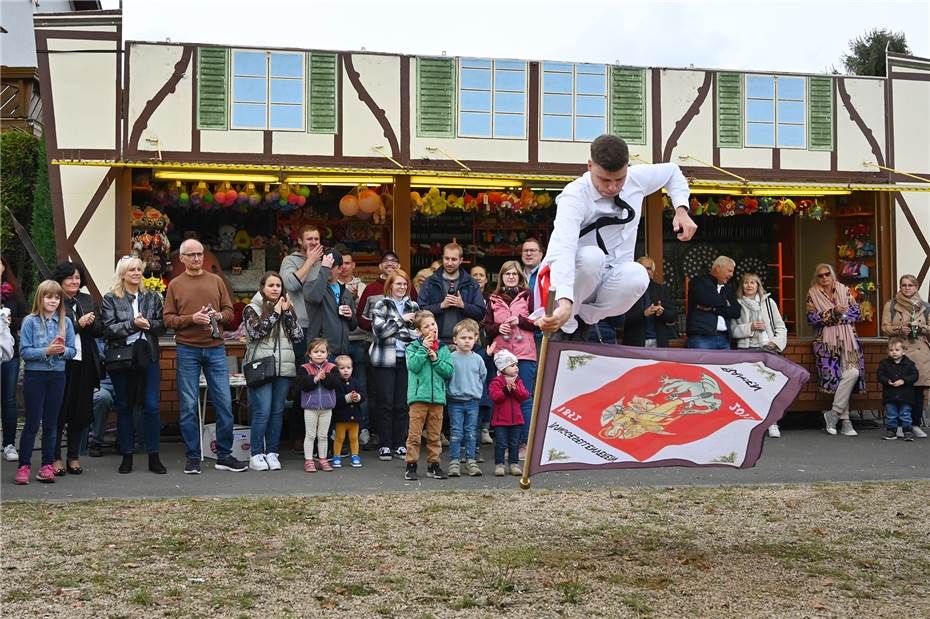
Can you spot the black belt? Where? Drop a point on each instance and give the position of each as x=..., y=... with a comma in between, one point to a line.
x=627, y=214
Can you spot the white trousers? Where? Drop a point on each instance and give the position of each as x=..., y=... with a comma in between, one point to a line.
x=316, y=426
x=604, y=289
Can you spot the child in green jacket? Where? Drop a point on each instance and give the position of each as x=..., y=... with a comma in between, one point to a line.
x=429, y=367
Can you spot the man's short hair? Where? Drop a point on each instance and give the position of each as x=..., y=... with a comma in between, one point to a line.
x=722, y=261
x=305, y=229
x=455, y=247
x=533, y=240
x=466, y=325
x=610, y=152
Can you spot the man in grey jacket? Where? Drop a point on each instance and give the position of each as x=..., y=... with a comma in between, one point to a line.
x=299, y=270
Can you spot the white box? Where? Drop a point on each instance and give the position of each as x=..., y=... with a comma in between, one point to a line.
x=241, y=447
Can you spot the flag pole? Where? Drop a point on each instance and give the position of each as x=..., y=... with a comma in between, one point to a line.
x=537, y=390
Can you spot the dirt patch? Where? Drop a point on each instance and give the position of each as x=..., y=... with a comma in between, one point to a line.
x=830, y=550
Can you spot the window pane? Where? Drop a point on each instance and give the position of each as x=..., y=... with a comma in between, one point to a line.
x=249, y=89
x=596, y=69
x=508, y=125
x=590, y=106
x=248, y=116
x=509, y=102
x=476, y=78
x=760, y=111
x=791, y=88
x=588, y=128
x=557, y=66
x=557, y=104
x=287, y=91
x=287, y=116
x=760, y=134
x=249, y=63
x=510, y=64
x=475, y=62
x=476, y=100
x=590, y=84
x=557, y=82
x=508, y=80
x=557, y=128
x=475, y=124
x=760, y=86
x=790, y=112
x=791, y=135
x=287, y=65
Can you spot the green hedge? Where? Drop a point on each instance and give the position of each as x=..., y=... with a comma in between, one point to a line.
x=42, y=229
x=18, y=162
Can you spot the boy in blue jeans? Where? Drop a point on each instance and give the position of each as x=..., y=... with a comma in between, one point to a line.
x=463, y=396
x=897, y=375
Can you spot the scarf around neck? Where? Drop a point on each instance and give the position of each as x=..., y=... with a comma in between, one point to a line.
x=840, y=339
x=913, y=305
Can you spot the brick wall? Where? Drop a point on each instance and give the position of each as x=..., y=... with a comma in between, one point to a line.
x=170, y=407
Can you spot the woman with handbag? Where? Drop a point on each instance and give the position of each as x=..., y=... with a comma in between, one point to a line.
x=269, y=366
x=908, y=317
x=132, y=321
x=83, y=372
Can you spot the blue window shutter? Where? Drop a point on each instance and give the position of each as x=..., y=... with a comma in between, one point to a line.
x=729, y=110
x=436, y=97
x=628, y=104
x=820, y=113
x=212, y=87
x=322, y=98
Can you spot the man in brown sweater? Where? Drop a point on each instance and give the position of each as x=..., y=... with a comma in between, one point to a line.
x=191, y=310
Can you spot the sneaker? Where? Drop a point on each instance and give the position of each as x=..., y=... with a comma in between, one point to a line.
x=258, y=463
x=22, y=475
x=522, y=454
x=434, y=471
x=400, y=453
x=356, y=462
x=847, y=429
x=46, y=474
x=515, y=469
x=384, y=453
x=228, y=463
x=486, y=437
x=830, y=420
x=454, y=469
x=326, y=466
x=410, y=473
x=918, y=433
x=774, y=432
x=364, y=437
x=890, y=435
x=336, y=462
x=499, y=470
x=900, y=432
x=10, y=454
x=192, y=467
x=274, y=464
x=908, y=436
x=471, y=467
x=309, y=466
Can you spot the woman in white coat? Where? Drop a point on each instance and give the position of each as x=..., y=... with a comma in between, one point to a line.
x=760, y=325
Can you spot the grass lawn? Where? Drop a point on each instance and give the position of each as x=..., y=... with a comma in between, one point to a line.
x=830, y=550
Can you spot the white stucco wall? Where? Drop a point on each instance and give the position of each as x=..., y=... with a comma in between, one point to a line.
x=238, y=141
x=97, y=244
x=300, y=143
x=912, y=125
x=679, y=90
x=380, y=75
x=150, y=66
x=868, y=98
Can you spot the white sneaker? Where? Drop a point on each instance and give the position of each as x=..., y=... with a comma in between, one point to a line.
x=918, y=433
x=830, y=420
x=486, y=437
x=258, y=463
x=899, y=432
x=774, y=432
x=273, y=463
x=11, y=455
x=848, y=429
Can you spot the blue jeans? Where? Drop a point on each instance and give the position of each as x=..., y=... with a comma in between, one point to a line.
x=9, y=371
x=358, y=350
x=721, y=341
x=212, y=361
x=42, y=395
x=527, y=372
x=897, y=414
x=129, y=387
x=507, y=438
x=463, y=419
x=266, y=409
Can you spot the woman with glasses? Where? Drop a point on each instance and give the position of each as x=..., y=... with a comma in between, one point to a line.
x=132, y=318
x=833, y=312
x=908, y=317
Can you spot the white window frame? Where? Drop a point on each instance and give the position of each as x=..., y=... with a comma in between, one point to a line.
x=493, y=92
x=304, y=79
x=775, y=121
x=574, y=94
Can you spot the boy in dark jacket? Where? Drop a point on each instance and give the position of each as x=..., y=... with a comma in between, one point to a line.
x=897, y=375
x=347, y=413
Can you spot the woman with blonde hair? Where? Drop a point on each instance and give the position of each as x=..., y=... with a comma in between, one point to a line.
x=132, y=321
x=908, y=317
x=832, y=312
x=421, y=276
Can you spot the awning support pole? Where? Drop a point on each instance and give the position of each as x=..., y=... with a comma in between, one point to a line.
x=875, y=165
x=719, y=169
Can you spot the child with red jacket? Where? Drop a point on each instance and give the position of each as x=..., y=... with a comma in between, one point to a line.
x=507, y=391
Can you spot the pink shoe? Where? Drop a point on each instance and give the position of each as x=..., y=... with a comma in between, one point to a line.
x=309, y=466
x=325, y=465
x=46, y=474
x=22, y=475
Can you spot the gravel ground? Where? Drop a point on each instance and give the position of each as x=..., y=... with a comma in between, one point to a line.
x=823, y=550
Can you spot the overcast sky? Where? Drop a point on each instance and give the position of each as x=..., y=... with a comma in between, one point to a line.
x=789, y=35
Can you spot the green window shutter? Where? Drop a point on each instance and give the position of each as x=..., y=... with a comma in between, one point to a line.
x=212, y=80
x=628, y=104
x=322, y=97
x=730, y=110
x=436, y=97
x=820, y=113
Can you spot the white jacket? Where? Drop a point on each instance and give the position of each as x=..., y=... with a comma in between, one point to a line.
x=775, y=329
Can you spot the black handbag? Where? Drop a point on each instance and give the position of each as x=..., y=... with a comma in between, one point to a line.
x=257, y=372
x=118, y=358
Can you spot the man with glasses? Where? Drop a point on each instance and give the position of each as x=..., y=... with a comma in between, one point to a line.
x=589, y=261
x=531, y=255
x=197, y=304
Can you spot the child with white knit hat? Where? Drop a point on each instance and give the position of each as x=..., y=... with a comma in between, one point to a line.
x=507, y=391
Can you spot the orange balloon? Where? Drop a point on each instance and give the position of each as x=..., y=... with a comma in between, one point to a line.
x=369, y=201
x=348, y=206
